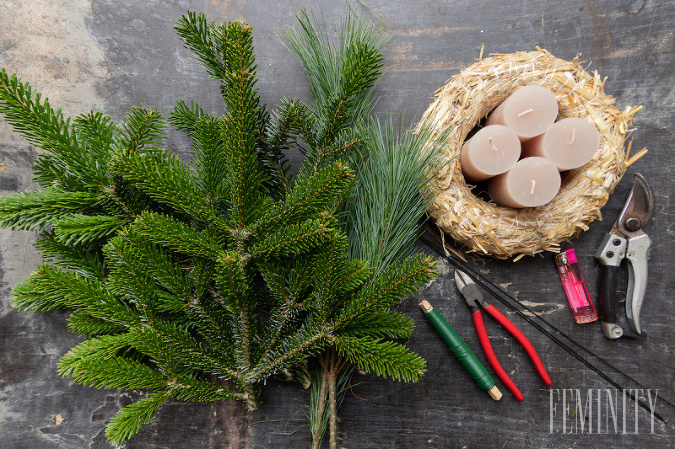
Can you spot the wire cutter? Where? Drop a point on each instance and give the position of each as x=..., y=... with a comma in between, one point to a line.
x=626, y=240
x=474, y=298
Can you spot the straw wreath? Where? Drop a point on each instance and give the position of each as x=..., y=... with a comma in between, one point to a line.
x=501, y=232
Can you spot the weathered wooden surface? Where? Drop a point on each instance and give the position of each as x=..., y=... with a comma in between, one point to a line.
x=113, y=54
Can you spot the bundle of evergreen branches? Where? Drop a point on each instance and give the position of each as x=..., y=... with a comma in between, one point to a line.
x=200, y=281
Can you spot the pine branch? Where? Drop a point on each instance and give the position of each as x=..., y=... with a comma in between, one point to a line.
x=393, y=191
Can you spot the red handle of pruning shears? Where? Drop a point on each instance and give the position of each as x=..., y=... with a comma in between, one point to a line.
x=492, y=358
x=522, y=339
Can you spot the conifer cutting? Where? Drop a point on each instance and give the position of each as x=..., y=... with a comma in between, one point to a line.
x=199, y=281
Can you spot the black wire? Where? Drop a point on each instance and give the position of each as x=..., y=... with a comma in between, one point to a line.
x=508, y=300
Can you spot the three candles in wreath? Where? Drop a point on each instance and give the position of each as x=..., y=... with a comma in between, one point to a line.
x=522, y=149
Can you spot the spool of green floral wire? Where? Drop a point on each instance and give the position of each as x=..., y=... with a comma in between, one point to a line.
x=461, y=351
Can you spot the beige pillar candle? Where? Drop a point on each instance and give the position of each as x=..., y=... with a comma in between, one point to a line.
x=491, y=151
x=529, y=111
x=569, y=143
x=532, y=182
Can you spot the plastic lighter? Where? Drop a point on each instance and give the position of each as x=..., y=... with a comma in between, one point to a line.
x=575, y=287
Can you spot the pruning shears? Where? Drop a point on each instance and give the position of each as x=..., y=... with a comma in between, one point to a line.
x=626, y=240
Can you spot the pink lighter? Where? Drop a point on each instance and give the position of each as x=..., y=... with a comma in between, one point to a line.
x=575, y=287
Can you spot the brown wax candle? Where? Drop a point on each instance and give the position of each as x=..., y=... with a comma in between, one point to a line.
x=491, y=151
x=569, y=143
x=532, y=182
x=529, y=111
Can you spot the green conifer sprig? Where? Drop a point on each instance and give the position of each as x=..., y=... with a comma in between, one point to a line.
x=226, y=270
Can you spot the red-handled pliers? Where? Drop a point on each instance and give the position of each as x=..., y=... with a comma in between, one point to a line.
x=474, y=298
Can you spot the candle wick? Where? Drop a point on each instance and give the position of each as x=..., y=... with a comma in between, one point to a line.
x=494, y=148
x=527, y=111
x=532, y=188
x=574, y=131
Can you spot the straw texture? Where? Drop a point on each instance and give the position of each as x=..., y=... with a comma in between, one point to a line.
x=501, y=232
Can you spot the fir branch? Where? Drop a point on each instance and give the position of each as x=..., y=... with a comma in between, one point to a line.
x=38, y=209
x=86, y=262
x=168, y=342
x=384, y=358
x=115, y=372
x=185, y=118
x=79, y=229
x=241, y=127
x=309, y=196
x=231, y=280
x=49, y=289
x=99, y=133
x=209, y=160
x=166, y=179
x=199, y=37
x=381, y=324
x=293, y=239
x=192, y=389
x=388, y=287
x=299, y=346
x=82, y=323
x=176, y=235
x=129, y=420
x=72, y=164
x=100, y=348
x=143, y=131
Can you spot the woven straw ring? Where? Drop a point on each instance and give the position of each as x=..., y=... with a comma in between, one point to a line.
x=502, y=232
